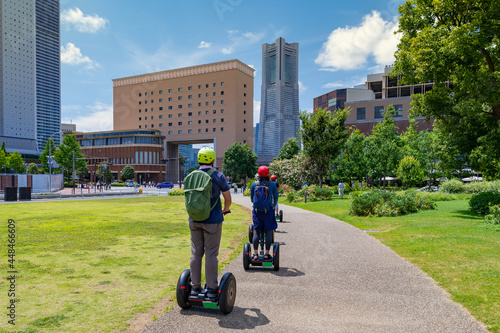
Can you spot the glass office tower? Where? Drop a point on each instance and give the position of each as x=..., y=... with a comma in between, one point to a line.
x=279, y=113
x=30, y=108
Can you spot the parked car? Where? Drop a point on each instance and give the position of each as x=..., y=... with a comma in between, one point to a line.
x=165, y=185
x=428, y=189
x=129, y=183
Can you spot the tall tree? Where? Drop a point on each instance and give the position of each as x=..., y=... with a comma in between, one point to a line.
x=3, y=161
x=410, y=172
x=3, y=148
x=64, y=154
x=289, y=149
x=323, y=135
x=457, y=42
x=384, y=147
x=104, y=172
x=127, y=172
x=239, y=161
x=49, y=146
x=352, y=163
x=15, y=161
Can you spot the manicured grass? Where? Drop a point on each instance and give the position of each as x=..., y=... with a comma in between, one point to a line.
x=451, y=244
x=88, y=266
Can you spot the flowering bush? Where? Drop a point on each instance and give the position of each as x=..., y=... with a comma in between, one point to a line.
x=176, y=192
x=494, y=216
x=293, y=172
x=480, y=203
x=314, y=193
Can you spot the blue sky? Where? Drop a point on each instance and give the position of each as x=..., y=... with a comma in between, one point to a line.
x=339, y=44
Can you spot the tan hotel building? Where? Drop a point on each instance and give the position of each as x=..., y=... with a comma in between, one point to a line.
x=210, y=103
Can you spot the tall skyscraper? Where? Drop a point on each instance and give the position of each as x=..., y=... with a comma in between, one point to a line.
x=30, y=107
x=279, y=113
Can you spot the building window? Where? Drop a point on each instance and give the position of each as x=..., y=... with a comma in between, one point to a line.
x=214, y=121
x=170, y=99
x=190, y=96
x=152, y=125
x=206, y=95
x=145, y=102
x=161, y=92
x=222, y=102
x=206, y=112
x=215, y=85
x=161, y=116
x=170, y=90
x=244, y=121
x=161, y=124
x=215, y=94
x=169, y=132
x=140, y=102
x=244, y=112
x=190, y=122
x=152, y=117
x=199, y=95
x=244, y=94
x=180, y=107
x=222, y=129
x=244, y=86
x=199, y=130
x=199, y=113
x=399, y=111
x=161, y=100
x=170, y=116
x=170, y=107
x=139, y=126
x=169, y=124
x=199, y=122
x=190, y=114
x=145, y=126
x=180, y=123
x=244, y=130
x=221, y=120
x=139, y=120
x=222, y=84
x=190, y=88
x=199, y=104
x=206, y=121
x=152, y=101
x=244, y=103
x=179, y=90
x=206, y=103
x=214, y=129
x=179, y=131
x=215, y=103
x=206, y=130
x=152, y=109
x=145, y=110
x=190, y=131
x=140, y=95
x=222, y=111
x=161, y=108
x=179, y=98
x=190, y=105
x=179, y=115
x=360, y=113
x=379, y=112
x=140, y=111
x=199, y=86
x=145, y=94
x=215, y=111
x=206, y=85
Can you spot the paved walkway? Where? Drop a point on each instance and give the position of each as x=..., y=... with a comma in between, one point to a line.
x=332, y=278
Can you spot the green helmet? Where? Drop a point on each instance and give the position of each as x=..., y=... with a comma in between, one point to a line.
x=206, y=155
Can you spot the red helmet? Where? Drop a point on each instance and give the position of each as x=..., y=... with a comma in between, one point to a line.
x=273, y=177
x=263, y=171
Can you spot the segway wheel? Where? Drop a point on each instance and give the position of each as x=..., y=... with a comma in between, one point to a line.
x=276, y=256
x=246, y=256
x=281, y=215
x=184, y=289
x=272, y=237
x=250, y=233
x=227, y=294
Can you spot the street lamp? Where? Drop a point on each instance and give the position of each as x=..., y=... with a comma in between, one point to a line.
x=50, y=160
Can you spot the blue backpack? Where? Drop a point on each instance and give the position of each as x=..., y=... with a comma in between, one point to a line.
x=261, y=198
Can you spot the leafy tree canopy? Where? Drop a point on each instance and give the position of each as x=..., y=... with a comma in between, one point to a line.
x=409, y=171
x=104, y=172
x=64, y=154
x=32, y=169
x=127, y=172
x=3, y=161
x=239, y=161
x=49, y=146
x=456, y=41
x=289, y=149
x=352, y=163
x=16, y=162
x=323, y=135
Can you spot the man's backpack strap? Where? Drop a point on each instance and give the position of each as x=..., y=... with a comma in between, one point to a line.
x=210, y=172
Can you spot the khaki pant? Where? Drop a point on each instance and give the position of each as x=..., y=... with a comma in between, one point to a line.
x=205, y=240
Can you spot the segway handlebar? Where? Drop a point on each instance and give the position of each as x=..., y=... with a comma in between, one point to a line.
x=226, y=212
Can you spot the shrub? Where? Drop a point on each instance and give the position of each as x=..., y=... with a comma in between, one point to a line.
x=494, y=216
x=452, y=186
x=480, y=203
x=477, y=187
x=384, y=203
x=118, y=184
x=247, y=192
x=314, y=193
x=176, y=192
x=437, y=196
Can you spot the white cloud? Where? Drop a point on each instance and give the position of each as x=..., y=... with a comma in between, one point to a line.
x=256, y=112
x=204, y=45
x=72, y=55
x=83, y=23
x=227, y=50
x=302, y=87
x=349, y=48
x=89, y=118
x=333, y=85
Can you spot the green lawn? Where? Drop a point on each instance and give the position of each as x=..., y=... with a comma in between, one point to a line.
x=87, y=266
x=450, y=244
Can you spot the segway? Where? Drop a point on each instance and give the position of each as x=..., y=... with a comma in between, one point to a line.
x=250, y=234
x=226, y=294
x=274, y=261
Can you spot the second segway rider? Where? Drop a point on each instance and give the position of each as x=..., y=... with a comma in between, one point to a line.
x=205, y=219
x=274, y=179
x=264, y=196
